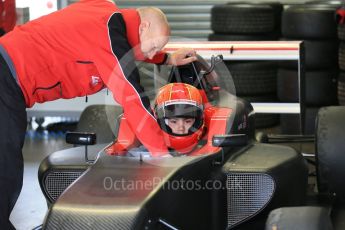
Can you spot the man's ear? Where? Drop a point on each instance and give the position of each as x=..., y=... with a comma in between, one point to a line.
x=144, y=25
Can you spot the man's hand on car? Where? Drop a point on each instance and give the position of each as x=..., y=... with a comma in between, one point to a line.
x=182, y=56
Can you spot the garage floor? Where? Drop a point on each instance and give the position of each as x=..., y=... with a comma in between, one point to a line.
x=31, y=207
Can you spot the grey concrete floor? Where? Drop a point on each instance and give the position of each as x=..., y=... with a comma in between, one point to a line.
x=31, y=206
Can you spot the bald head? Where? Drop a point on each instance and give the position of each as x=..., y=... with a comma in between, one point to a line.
x=154, y=30
x=155, y=16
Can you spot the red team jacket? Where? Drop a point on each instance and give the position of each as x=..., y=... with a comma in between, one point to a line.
x=78, y=51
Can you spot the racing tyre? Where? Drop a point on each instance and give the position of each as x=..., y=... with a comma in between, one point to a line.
x=242, y=19
x=341, y=31
x=342, y=56
x=320, y=87
x=290, y=124
x=277, y=12
x=319, y=54
x=341, y=88
x=309, y=22
x=330, y=155
x=253, y=78
x=238, y=37
x=299, y=218
x=62, y=127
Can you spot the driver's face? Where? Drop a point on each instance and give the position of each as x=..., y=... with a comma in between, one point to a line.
x=180, y=125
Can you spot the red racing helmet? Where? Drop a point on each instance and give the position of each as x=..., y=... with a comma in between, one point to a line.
x=179, y=100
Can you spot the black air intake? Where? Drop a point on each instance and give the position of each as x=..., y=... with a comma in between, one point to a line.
x=56, y=181
x=247, y=194
x=60, y=169
x=262, y=178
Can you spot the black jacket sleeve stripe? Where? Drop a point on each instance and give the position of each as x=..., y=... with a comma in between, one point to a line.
x=123, y=51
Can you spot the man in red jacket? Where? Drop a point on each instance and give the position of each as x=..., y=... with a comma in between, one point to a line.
x=75, y=52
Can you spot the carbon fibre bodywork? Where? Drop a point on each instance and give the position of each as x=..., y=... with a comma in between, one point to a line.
x=236, y=189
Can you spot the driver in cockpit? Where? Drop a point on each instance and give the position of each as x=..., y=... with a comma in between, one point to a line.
x=179, y=111
x=187, y=123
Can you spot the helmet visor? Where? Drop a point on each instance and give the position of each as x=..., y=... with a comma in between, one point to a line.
x=179, y=110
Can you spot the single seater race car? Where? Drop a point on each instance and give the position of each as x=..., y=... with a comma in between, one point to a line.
x=229, y=181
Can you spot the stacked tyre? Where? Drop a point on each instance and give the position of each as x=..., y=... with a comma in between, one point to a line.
x=316, y=26
x=341, y=36
x=244, y=21
x=330, y=145
x=241, y=21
